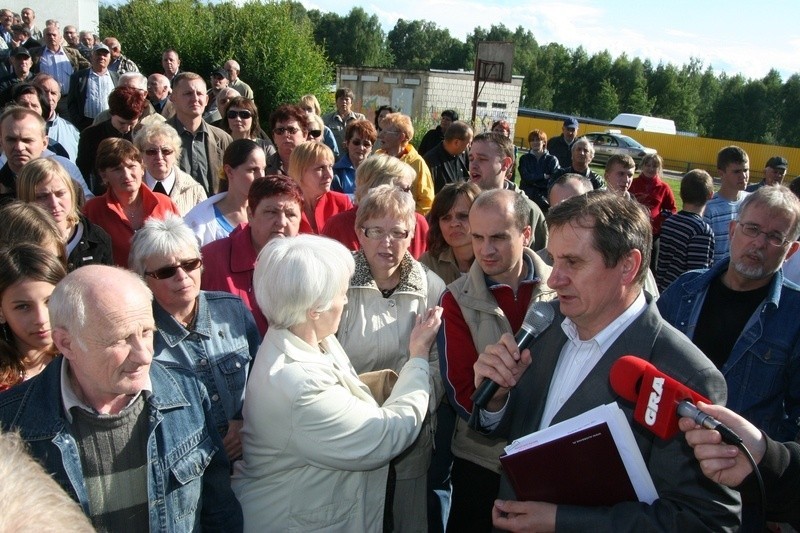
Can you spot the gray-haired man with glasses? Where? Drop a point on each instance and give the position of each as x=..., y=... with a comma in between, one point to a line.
x=743, y=313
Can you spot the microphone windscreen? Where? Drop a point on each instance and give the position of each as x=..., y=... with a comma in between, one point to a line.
x=626, y=376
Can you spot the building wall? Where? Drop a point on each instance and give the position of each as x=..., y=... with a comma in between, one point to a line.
x=84, y=14
x=425, y=94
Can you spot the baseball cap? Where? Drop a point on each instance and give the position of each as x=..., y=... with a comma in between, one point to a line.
x=20, y=51
x=571, y=122
x=777, y=162
x=221, y=72
x=101, y=47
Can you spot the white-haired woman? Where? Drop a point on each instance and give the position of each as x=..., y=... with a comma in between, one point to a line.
x=210, y=333
x=160, y=145
x=388, y=290
x=317, y=444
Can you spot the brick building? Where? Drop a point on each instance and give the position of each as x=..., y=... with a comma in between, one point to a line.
x=424, y=94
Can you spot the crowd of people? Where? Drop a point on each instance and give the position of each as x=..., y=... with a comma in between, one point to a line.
x=206, y=325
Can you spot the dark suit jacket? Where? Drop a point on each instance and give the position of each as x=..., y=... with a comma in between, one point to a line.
x=688, y=501
x=77, y=97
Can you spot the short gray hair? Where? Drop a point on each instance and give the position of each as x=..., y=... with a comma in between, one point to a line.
x=387, y=200
x=136, y=80
x=776, y=198
x=68, y=303
x=169, y=236
x=158, y=129
x=300, y=274
x=585, y=141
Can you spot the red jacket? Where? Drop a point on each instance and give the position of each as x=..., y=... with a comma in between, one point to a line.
x=107, y=212
x=656, y=196
x=231, y=272
x=342, y=228
x=330, y=204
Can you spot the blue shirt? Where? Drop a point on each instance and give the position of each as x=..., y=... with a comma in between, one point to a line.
x=763, y=370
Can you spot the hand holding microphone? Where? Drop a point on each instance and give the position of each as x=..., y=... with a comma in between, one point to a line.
x=503, y=363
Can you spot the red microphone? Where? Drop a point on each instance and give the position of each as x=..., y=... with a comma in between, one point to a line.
x=655, y=394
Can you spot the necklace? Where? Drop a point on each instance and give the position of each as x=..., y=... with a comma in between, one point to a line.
x=388, y=292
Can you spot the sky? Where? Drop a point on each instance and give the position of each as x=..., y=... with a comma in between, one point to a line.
x=733, y=36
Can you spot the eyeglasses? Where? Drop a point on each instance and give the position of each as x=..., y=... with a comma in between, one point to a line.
x=168, y=271
x=378, y=234
x=391, y=132
x=155, y=151
x=753, y=231
x=359, y=142
x=315, y=133
x=243, y=114
x=291, y=130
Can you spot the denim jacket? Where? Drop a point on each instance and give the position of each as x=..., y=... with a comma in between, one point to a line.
x=188, y=476
x=763, y=370
x=219, y=349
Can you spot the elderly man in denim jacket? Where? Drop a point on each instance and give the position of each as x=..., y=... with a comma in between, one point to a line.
x=743, y=313
x=132, y=441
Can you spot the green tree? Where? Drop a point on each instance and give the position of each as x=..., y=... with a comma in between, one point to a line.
x=422, y=45
x=354, y=40
x=272, y=42
x=790, y=112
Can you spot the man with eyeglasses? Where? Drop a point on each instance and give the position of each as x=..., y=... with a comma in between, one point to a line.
x=743, y=313
x=233, y=69
x=489, y=300
x=203, y=145
x=158, y=91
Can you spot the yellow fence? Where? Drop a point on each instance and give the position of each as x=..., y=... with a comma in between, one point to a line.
x=680, y=153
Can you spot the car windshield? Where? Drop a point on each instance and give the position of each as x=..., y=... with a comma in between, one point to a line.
x=628, y=141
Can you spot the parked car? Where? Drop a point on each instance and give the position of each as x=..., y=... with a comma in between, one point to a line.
x=612, y=142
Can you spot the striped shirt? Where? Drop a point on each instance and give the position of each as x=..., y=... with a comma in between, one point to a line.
x=719, y=213
x=98, y=87
x=687, y=243
x=58, y=66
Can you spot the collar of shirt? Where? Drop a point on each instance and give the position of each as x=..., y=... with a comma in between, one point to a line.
x=70, y=399
x=529, y=274
x=578, y=357
x=168, y=183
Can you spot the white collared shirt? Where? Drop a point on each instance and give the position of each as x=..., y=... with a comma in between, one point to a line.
x=168, y=183
x=578, y=357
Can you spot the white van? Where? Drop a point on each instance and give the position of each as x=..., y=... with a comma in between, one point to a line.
x=644, y=123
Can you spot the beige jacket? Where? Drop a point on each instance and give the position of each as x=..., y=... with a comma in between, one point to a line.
x=316, y=444
x=375, y=331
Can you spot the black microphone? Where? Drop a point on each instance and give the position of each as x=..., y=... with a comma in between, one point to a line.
x=538, y=318
x=700, y=418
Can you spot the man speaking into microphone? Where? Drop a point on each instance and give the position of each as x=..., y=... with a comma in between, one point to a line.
x=600, y=244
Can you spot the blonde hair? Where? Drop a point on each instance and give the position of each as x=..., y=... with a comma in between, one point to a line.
x=387, y=200
x=304, y=156
x=37, y=171
x=311, y=101
x=401, y=122
x=45, y=506
x=381, y=169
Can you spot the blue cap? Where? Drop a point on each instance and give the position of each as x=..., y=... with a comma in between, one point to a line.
x=571, y=122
